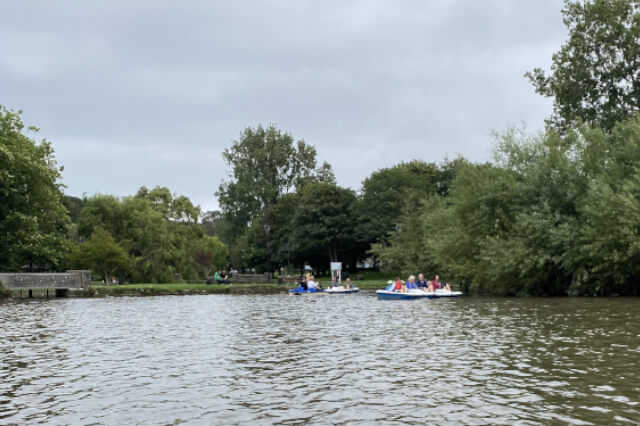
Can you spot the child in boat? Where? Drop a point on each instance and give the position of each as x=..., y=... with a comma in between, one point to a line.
x=430, y=288
x=303, y=282
x=347, y=283
x=398, y=285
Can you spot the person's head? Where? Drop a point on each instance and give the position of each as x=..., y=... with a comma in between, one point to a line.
x=312, y=278
x=421, y=277
x=348, y=280
x=412, y=278
x=437, y=277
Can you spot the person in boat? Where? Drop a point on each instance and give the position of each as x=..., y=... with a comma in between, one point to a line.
x=430, y=287
x=312, y=285
x=347, y=283
x=437, y=285
x=422, y=283
x=411, y=285
x=335, y=283
x=302, y=283
x=398, y=286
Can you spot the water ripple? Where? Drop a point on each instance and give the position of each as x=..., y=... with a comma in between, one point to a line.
x=323, y=360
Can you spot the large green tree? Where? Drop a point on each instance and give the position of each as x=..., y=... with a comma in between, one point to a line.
x=101, y=254
x=265, y=164
x=159, y=232
x=33, y=219
x=389, y=192
x=322, y=225
x=595, y=76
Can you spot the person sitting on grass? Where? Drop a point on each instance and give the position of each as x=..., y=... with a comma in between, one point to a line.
x=221, y=278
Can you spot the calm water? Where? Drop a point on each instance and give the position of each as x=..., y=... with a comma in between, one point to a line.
x=323, y=359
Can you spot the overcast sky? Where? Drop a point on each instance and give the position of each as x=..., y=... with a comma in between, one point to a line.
x=136, y=93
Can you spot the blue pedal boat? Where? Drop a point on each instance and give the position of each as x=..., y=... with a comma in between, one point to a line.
x=300, y=291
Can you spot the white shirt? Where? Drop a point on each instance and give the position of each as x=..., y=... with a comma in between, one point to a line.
x=311, y=284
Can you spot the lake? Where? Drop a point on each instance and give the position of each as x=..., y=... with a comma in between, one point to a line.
x=328, y=359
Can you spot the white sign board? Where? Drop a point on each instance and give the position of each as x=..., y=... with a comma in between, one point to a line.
x=336, y=266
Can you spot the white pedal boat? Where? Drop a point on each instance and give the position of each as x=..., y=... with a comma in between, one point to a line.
x=415, y=294
x=342, y=290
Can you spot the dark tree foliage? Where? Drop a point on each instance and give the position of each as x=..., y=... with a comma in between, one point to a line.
x=390, y=192
x=73, y=206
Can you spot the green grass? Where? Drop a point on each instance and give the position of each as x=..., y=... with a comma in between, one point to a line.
x=150, y=289
x=182, y=288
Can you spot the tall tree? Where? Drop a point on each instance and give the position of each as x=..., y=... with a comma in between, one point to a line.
x=33, y=219
x=595, y=77
x=265, y=163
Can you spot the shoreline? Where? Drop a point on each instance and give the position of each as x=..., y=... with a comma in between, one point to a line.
x=171, y=289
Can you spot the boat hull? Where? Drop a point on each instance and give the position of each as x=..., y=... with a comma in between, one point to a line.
x=415, y=294
x=297, y=292
x=343, y=291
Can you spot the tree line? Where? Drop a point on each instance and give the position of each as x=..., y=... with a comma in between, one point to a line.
x=158, y=236
x=554, y=213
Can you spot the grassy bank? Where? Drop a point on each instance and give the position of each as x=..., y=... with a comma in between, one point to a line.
x=179, y=288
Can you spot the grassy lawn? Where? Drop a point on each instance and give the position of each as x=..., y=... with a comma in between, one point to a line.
x=182, y=288
x=371, y=282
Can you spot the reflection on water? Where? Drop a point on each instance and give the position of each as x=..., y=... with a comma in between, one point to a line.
x=321, y=359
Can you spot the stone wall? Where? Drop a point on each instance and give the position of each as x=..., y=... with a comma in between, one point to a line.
x=69, y=279
x=250, y=278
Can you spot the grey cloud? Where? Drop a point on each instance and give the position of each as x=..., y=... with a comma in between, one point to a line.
x=146, y=93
